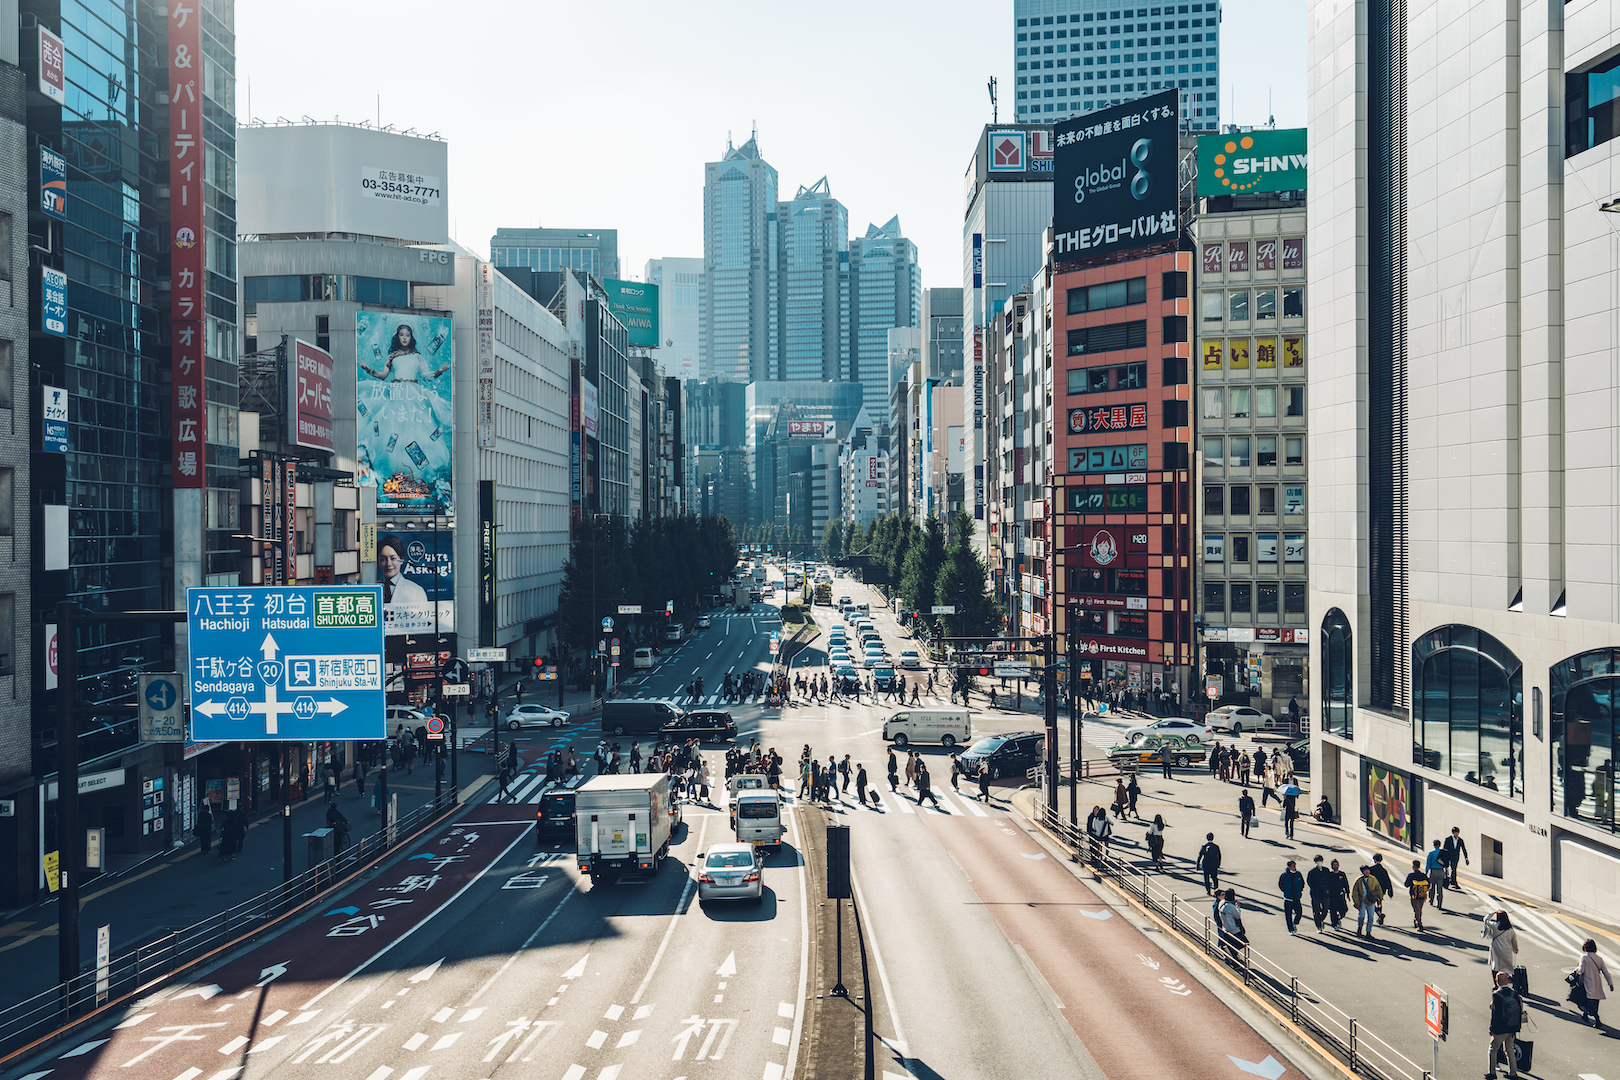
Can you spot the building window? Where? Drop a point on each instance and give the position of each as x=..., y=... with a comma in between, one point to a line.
x=1265, y=401
x=1240, y=500
x=1212, y=307
x=1215, y=598
x=1239, y=305
x=1108, y=338
x=1294, y=451
x=1240, y=402
x=1265, y=305
x=1267, y=496
x=1213, y=404
x=1240, y=548
x=1112, y=294
x=8, y=634
x=5, y=247
x=1265, y=596
x=1338, y=676
x=1468, y=708
x=1240, y=452
x=1214, y=451
x=1583, y=690
x=323, y=332
x=1265, y=454
x=1590, y=99
x=1242, y=598
x=1293, y=303
x=6, y=375
x=1214, y=500
x=1293, y=401
x=1294, y=599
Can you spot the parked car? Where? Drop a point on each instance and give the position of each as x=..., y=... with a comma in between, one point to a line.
x=730, y=871
x=1240, y=718
x=710, y=725
x=522, y=716
x=1012, y=754
x=1191, y=730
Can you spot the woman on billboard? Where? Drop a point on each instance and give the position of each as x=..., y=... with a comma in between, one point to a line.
x=405, y=400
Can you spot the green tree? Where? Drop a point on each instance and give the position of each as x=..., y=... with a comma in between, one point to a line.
x=832, y=540
x=924, y=559
x=963, y=583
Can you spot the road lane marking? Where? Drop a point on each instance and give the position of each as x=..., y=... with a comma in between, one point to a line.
x=574, y=1072
x=83, y=1048
x=613, y=1012
x=446, y=1041
x=784, y=1009
x=443, y=1014
x=899, y=1043
x=141, y=1018
x=416, y=1073
x=471, y=1014
x=628, y=1039
x=680, y=908
x=265, y=1044
x=780, y=1036
x=596, y=1039
x=234, y=1045
x=415, y=1041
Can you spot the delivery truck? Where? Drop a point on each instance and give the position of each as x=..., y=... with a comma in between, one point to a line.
x=623, y=825
x=743, y=601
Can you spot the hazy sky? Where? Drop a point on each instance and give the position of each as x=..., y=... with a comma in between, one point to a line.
x=601, y=115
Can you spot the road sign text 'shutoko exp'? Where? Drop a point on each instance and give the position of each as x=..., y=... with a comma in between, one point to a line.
x=286, y=664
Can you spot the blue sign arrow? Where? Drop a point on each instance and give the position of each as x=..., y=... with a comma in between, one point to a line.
x=344, y=911
x=1270, y=1068
x=161, y=695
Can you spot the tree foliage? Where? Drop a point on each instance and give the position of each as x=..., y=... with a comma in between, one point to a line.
x=924, y=558
x=832, y=541
x=963, y=583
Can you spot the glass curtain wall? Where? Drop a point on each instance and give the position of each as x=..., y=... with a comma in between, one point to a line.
x=1468, y=708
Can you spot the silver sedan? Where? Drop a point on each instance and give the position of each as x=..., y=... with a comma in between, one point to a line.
x=730, y=871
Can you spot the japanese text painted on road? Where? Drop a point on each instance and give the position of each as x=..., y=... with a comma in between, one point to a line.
x=286, y=664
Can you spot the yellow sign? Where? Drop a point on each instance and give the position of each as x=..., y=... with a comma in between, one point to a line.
x=1293, y=352
x=52, y=863
x=1265, y=352
x=368, y=542
x=1239, y=350
x=1212, y=356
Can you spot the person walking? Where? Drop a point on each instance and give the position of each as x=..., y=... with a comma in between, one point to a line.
x=203, y=830
x=924, y=790
x=911, y=768
x=956, y=774
x=1417, y=889
x=379, y=792
x=1365, y=894
x=1592, y=974
x=1133, y=792
x=1507, y=1017
x=860, y=783
x=1102, y=833
x=1290, y=813
x=1504, y=942
x=1245, y=811
x=359, y=773
x=1120, y=798
x=1232, y=934
x=843, y=776
x=1320, y=883
x=1456, y=851
x=1155, y=839
x=1381, y=875
x=1164, y=763
x=1338, y=893
x=1209, y=861
x=894, y=772
x=1435, y=864
x=330, y=782
x=984, y=784
x=1291, y=883
x=232, y=829
x=339, y=824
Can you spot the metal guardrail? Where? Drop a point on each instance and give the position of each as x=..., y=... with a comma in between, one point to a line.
x=71, y=1002
x=1310, y=1013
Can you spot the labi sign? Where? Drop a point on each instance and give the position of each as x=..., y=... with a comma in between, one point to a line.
x=1251, y=161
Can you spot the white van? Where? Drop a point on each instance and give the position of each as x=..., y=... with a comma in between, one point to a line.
x=643, y=658
x=948, y=727
x=757, y=818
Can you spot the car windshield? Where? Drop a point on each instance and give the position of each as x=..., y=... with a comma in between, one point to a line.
x=985, y=747
x=561, y=803
x=731, y=858
x=885, y=672
x=757, y=808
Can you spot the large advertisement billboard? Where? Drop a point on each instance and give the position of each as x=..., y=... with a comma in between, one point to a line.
x=636, y=306
x=312, y=396
x=403, y=434
x=1263, y=160
x=1116, y=179
x=188, y=418
x=417, y=573
x=315, y=178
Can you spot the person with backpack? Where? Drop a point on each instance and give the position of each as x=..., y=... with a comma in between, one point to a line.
x=1133, y=792
x=1209, y=861
x=1417, y=889
x=1507, y=1017
x=1435, y=864
x=1291, y=884
x=1230, y=925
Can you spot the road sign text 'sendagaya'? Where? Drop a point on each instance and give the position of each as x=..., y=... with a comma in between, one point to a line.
x=286, y=664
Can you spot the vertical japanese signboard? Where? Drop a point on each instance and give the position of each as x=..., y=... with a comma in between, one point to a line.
x=289, y=538
x=52, y=183
x=312, y=389
x=53, y=301
x=267, y=522
x=486, y=563
x=486, y=356
x=52, y=82
x=186, y=240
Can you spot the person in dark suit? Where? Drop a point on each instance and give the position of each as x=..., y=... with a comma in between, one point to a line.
x=1455, y=851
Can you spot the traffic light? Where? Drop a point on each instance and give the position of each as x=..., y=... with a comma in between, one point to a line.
x=984, y=671
x=539, y=661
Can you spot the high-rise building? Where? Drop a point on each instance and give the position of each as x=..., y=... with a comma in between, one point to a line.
x=680, y=291
x=811, y=286
x=942, y=333
x=831, y=405
x=1073, y=56
x=1463, y=475
x=739, y=248
x=595, y=251
x=716, y=454
x=885, y=291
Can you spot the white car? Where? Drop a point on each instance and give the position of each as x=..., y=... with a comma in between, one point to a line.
x=522, y=716
x=1240, y=718
x=1191, y=730
x=704, y=622
x=730, y=871
x=910, y=659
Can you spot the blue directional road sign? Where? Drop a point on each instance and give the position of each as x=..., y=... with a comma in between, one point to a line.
x=286, y=664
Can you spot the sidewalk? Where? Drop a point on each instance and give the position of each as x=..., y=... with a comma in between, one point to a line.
x=1378, y=980
x=183, y=887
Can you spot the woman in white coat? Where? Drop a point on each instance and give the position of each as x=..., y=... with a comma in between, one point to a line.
x=1504, y=944
x=1593, y=974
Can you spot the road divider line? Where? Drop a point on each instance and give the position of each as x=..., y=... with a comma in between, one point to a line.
x=804, y=942
x=680, y=909
x=421, y=922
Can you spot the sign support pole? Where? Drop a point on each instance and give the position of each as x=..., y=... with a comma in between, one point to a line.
x=67, y=804
x=286, y=813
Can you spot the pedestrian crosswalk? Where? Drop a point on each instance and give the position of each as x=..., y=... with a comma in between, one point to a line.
x=946, y=802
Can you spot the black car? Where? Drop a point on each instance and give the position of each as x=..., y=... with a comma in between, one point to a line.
x=555, y=817
x=1299, y=752
x=1013, y=754
x=710, y=725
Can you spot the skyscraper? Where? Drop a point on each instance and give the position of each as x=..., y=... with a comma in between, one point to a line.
x=811, y=286
x=680, y=289
x=739, y=241
x=885, y=289
x=1124, y=52
x=595, y=251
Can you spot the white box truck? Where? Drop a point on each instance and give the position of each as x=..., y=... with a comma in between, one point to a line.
x=741, y=599
x=623, y=825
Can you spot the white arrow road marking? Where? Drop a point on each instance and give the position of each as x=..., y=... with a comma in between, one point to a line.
x=428, y=972
x=273, y=972
x=1100, y=916
x=204, y=992
x=1154, y=964
x=83, y=1048
x=578, y=969
x=728, y=967
x=1176, y=986
x=1270, y=1068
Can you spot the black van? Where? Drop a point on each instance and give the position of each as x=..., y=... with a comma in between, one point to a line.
x=639, y=717
x=1013, y=754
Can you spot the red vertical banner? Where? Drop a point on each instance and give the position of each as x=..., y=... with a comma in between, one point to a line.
x=278, y=546
x=267, y=522
x=188, y=423
x=290, y=537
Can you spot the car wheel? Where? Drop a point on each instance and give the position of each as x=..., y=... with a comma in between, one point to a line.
x=1181, y=762
x=1237, y=727
x=513, y=725
x=1136, y=738
x=618, y=729
x=947, y=741
x=556, y=721
x=995, y=772
x=901, y=740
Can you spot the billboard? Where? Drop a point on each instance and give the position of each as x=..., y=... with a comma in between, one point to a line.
x=314, y=178
x=52, y=81
x=188, y=421
x=1264, y=160
x=312, y=396
x=52, y=183
x=1115, y=187
x=636, y=306
x=816, y=428
x=53, y=301
x=589, y=408
x=404, y=422
x=417, y=573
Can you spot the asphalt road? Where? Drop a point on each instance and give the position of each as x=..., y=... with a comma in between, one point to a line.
x=481, y=952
